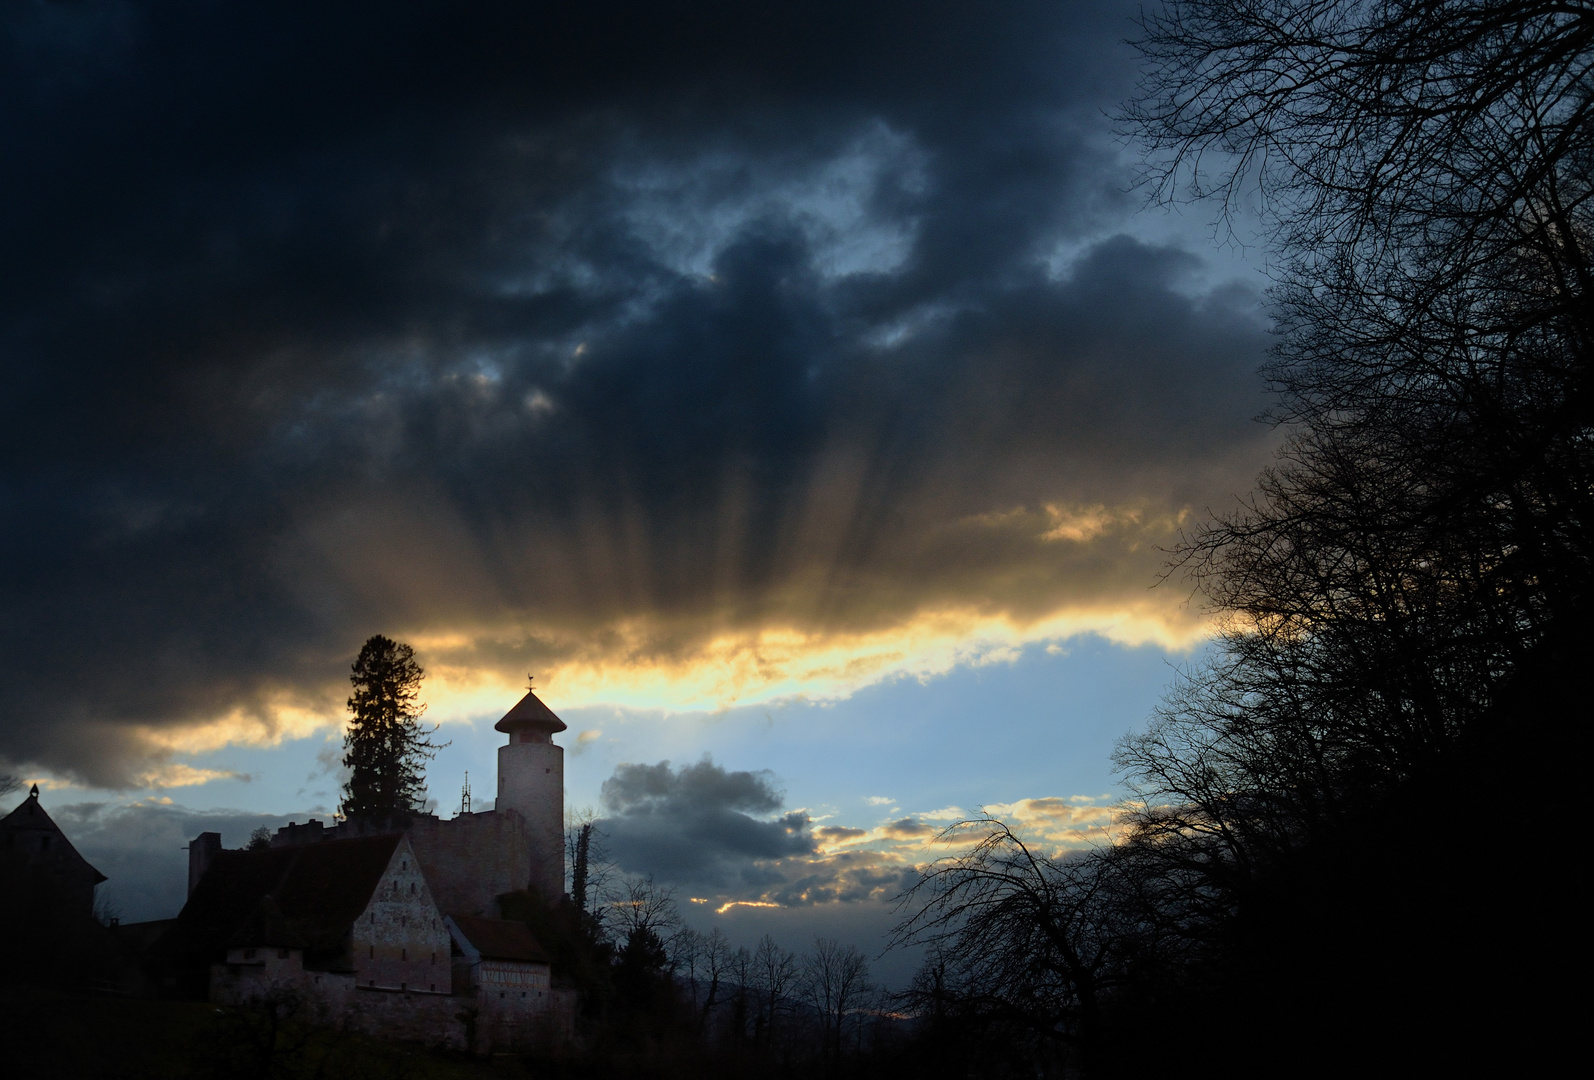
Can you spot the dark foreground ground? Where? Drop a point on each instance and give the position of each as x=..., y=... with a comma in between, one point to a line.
x=62, y=1036
x=52, y=1034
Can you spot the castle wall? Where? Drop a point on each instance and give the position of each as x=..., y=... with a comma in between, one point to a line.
x=490, y=1018
x=531, y=780
x=333, y=999
x=472, y=859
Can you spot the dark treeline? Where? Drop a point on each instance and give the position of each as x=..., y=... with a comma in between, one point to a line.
x=1346, y=850
x=657, y=998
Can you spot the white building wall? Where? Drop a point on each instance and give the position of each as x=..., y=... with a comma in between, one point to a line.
x=531, y=780
x=399, y=941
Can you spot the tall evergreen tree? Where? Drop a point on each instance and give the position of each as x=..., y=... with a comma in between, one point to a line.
x=385, y=748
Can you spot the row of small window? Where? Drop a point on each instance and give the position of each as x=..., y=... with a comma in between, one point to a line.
x=404, y=954
x=404, y=920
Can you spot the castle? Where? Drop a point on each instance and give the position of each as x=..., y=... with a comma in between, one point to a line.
x=395, y=930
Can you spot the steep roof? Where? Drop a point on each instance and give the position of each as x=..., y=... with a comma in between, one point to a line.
x=500, y=939
x=530, y=712
x=300, y=896
x=37, y=842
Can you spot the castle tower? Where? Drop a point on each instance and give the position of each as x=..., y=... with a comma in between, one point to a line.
x=531, y=780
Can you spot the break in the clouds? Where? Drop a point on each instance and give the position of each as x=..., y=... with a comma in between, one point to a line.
x=683, y=354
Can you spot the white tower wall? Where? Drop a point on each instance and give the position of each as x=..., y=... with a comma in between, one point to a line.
x=531, y=780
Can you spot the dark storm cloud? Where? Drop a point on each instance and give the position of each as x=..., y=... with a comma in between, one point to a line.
x=320, y=320
x=700, y=825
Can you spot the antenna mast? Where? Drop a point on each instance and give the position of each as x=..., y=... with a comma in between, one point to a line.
x=464, y=796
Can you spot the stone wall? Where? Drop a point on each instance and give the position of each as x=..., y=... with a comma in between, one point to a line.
x=482, y=1021
x=531, y=780
x=472, y=859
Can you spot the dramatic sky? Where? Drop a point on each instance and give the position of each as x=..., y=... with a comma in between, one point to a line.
x=804, y=386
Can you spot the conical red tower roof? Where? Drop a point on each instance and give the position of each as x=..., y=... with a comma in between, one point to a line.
x=530, y=713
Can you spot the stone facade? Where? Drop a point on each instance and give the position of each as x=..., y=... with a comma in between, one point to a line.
x=473, y=859
x=399, y=942
x=531, y=785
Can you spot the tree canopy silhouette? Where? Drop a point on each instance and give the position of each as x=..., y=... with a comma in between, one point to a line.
x=1426, y=170
x=1397, y=591
x=385, y=747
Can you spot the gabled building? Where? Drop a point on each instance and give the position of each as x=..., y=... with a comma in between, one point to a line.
x=508, y=973
x=39, y=867
x=48, y=936
x=359, y=909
